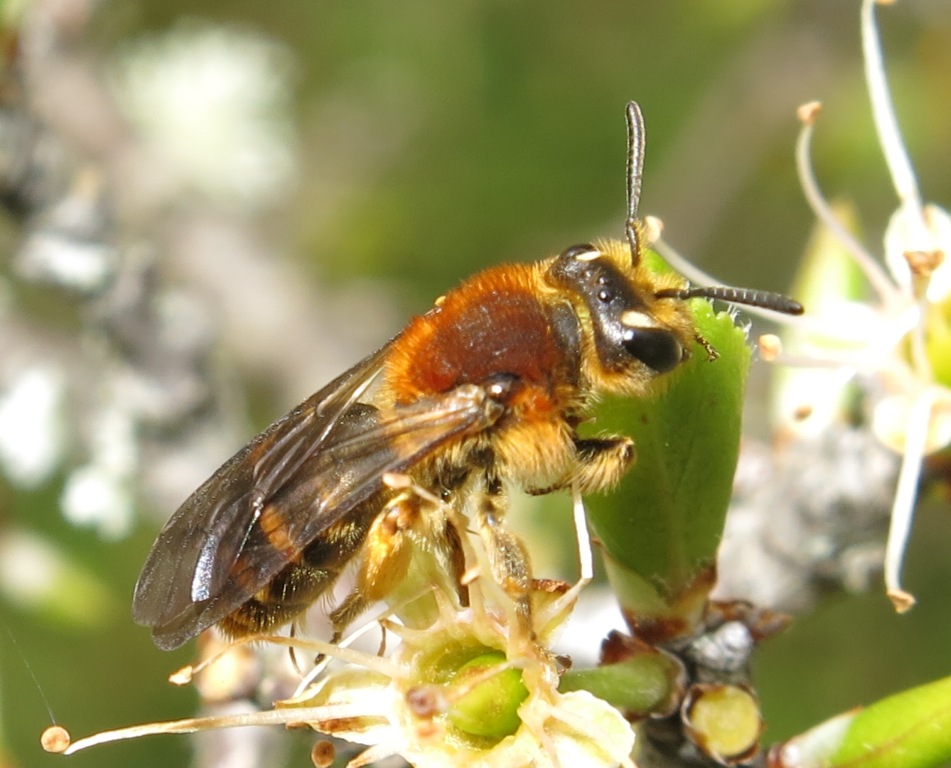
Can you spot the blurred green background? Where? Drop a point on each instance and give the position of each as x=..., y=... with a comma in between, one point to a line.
x=438, y=138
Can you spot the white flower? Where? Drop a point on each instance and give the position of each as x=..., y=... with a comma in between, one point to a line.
x=896, y=342
x=99, y=494
x=462, y=687
x=450, y=699
x=31, y=439
x=215, y=103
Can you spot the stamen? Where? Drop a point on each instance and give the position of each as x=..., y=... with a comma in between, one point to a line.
x=886, y=124
x=325, y=657
x=686, y=268
x=358, y=658
x=770, y=347
x=323, y=754
x=187, y=673
x=362, y=710
x=918, y=346
x=55, y=739
x=585, y=558
x=903, y=510
x=652, y=227
x=886, y=290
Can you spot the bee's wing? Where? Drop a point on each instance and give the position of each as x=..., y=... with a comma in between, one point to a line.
x=269, y=501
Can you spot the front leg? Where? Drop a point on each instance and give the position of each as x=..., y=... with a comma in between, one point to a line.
x=600, y=462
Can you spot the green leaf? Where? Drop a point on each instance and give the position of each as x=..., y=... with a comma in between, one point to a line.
x=911, y=729
x=661, y=530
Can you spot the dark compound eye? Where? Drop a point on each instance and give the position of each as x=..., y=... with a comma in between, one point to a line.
x=655, y=347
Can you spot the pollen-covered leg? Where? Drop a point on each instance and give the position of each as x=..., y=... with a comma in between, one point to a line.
x=600, y=462
x=386, y=558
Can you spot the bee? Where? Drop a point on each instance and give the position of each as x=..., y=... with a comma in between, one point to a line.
x=482, y=393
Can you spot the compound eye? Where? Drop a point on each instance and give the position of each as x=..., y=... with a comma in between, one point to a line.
x=657, y=348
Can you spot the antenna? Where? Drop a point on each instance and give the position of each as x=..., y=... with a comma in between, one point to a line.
x=635, y=170
x=636, y=141
x=763, y=299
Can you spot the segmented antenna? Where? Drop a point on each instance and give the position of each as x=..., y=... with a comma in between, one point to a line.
x=776, y=302
x=635, y=170
x=636, y=139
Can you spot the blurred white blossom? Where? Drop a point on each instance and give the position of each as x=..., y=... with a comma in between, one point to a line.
x=215, y=103
x=110, y=375
x=94, y=497
x=30, y=425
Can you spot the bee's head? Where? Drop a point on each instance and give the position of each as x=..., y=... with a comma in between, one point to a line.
x=636, y=320
x=632, y=334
